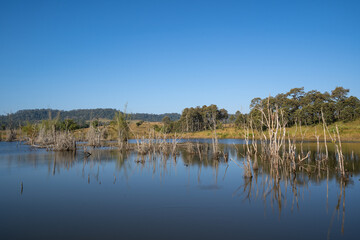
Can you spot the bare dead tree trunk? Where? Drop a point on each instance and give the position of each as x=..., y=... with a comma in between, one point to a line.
x=325, y=141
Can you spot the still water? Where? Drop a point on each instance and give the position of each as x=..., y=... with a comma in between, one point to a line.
x=111, y=195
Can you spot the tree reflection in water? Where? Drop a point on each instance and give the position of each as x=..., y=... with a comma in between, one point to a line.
x=277, y=187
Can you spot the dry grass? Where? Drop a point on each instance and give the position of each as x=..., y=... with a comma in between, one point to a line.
x=349, y=131
x=140, y=131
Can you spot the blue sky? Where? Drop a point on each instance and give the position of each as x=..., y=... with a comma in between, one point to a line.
x=163, y=56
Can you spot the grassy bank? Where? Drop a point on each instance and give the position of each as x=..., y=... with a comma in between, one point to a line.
x=349, y=131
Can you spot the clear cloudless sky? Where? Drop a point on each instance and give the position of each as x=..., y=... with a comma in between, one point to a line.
x=163, y=56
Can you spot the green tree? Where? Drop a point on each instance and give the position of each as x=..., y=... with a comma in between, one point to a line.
x=167, y=128
x=120, y=125
x=339, y=94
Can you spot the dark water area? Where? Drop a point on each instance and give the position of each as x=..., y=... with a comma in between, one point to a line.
x=113, y=195
x=204, y=140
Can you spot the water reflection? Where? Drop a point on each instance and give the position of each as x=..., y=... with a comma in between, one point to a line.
x=339, y=209
x=160, y=164
x=188, y=175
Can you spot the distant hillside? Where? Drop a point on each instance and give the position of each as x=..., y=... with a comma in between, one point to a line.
x=79, y=115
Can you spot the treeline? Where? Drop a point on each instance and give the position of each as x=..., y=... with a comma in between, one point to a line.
x=197, y=119
x=307, y=108
x=296, y=107
x=80, y=116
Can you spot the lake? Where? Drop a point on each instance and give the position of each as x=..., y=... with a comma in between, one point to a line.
x=114, y=195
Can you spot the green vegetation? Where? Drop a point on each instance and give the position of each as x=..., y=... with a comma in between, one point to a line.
x=139, y=123
x=80, y=116
x=297, y=110
x=198, y=119
x=305, y=108
x=120, y=125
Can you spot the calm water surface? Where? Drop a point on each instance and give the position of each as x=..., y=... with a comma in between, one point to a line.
x=110, y=195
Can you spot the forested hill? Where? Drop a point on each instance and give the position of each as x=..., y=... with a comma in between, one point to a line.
x=79, y=115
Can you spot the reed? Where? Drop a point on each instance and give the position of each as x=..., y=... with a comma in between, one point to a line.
x=10, y=135
x=94, y=135
x=64, y=142
x=120, y=125
x=279, y=148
